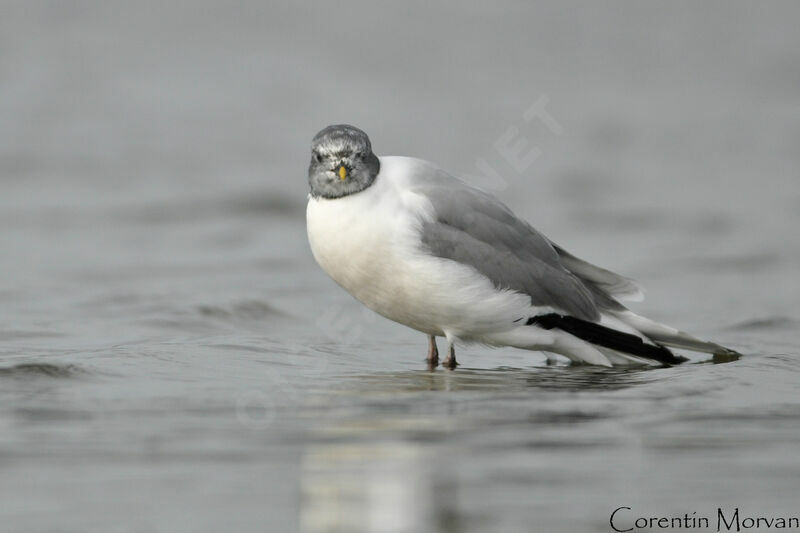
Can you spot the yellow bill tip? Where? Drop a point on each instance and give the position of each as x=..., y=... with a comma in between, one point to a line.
x=342, y=172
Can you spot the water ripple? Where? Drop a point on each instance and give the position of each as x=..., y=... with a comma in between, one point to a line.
x=27, y=370
x=773, y=322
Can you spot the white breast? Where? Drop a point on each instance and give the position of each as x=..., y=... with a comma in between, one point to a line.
x=352, y=240
x=369, y=244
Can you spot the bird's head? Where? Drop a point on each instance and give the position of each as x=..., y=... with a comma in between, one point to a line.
x=342, y=162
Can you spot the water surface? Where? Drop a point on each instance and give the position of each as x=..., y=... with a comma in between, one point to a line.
x=171, y=358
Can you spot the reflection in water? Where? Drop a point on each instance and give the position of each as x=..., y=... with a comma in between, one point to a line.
x=567, y=378
x=391, y=454
x=381, y=464
x=379, y=486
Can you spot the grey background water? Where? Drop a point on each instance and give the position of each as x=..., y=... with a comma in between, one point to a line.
x=171, y=358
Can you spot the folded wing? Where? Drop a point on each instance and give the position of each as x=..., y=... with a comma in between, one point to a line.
x=474, y=228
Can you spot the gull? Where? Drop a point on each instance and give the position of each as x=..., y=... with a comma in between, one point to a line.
x=427, y=250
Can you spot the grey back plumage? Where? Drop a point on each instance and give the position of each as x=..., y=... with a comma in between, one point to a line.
x=474, y=228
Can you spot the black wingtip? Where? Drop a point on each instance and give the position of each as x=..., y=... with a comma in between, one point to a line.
x=606, y=337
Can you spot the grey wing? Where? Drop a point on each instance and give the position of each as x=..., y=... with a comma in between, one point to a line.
x=606, y=282
x=474, y=228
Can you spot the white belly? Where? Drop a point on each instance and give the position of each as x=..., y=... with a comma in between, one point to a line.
x=369, y=244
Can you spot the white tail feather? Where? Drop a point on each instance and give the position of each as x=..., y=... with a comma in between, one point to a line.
x=554, y=341
x=668, y=336
x=625, y=359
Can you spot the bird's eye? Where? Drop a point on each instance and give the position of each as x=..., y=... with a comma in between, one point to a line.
x=317, y=157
